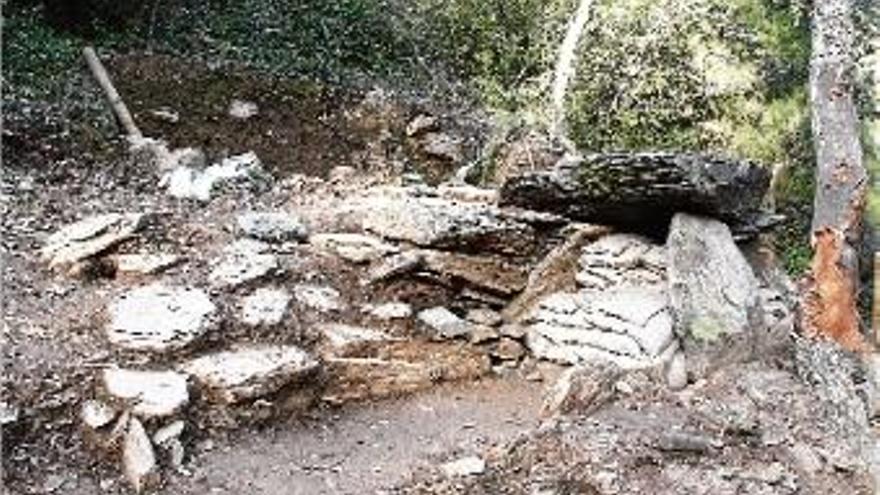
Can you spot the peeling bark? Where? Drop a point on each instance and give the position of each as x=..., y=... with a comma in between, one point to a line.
x=831, y=291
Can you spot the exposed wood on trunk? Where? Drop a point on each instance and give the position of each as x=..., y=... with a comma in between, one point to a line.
x=831, y=292
x=119, y=108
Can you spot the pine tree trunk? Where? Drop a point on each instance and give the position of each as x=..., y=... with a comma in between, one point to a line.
x=830, y=299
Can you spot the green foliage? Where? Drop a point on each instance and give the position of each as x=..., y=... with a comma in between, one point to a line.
x=36, y=57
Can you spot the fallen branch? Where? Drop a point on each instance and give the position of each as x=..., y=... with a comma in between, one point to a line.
x=119, y=108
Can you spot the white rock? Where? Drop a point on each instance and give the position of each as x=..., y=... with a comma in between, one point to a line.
x=97, y=414
x=158, y=318
x=250, y=372
x=342, y=340
x=265, y=306
x=169, y=432
x=192, y=183
x=273, y=226
x=145, y=264
x=445, y=323
x=466, y=466
x=90, y=237
x=242, y=262
x=394, y=266
x=676, y=371
x=138, y=458
x=323, y=299
x=484, y=316
x=357, y=248
x=8, y=413
x=616, y=260
x=149, y=393
x=243, y=110
x=390, y=311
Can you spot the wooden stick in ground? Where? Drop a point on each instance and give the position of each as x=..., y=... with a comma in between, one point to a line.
x=112, y=95
x=876, y=306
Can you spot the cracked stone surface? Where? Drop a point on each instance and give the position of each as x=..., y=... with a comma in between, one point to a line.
x=149, y=393
x=272, y=226
x=249, y=372
x=242, y=262
x=157, y=317
x=90, y=237
x=323, y=299
x=265, y=306
x=619, y=259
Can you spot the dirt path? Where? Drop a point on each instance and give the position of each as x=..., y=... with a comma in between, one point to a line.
x=367, y=448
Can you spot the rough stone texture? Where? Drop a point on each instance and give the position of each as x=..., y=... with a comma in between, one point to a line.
x=138, y=458
x=323, y=299
x=243, y=110
x=556, y=272
x=145, y=264
x=628, y=326
x=350, y=341
x=441, y=223
x=265, y=306
x=508, y=349
x=621, y=259
x=148, y=393
x=90, y=237
x=97, y=414
x=466, y=466
x=357, y=248
x=250, y=372
x=582, y=389
x=402, y=368
x=484, y=316
x=156, y=317
x=389, y=311
x=643, y=190
x=242, y=262
x=443, y=146
x=272, y=226
x=444, y=324
x=394, y=266
x=713, y=293
x=193, y=183
x=484, y=272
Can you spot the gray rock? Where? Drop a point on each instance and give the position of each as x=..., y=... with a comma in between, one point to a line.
x=484, y=316
x=265, y=306
x=97, y=414
x=481, y=334
x=394, y=266
x=436, y=222
x=582, y=389
x=443, y=146
x=156, y=317
x=357, y=248
x=150, y=394
x=242, y=262
x=169, y=432
x=621, y=259
x=243, y=110
x=323, y=299
x=508, y=349
x=9, y=413
x=676, y=371
x=145, y=264
x=444, y=323
x=274, y=226
x=466, y=466
x=348, y=341
x=389, y=311
x=138, y=458
x=248, y=373
x=90, y=237
x=628, y=326
x=713, y=293
x=421, y=124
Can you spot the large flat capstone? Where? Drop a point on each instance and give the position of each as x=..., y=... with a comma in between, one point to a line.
x=157, y=317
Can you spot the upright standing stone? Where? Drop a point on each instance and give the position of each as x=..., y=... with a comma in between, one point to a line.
x=713, y=293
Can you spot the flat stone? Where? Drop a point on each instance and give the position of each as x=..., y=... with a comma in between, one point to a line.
x=484, y=316
x=273, y=226
x=145, y=264
x=508, y=349
x=242, y=262
x=427, y=221
x=466, y=466
x=90, y=237
x=621, y=259
x=713, y=293
x=582, y=389
x=389, y=311
x=149, y=393
x=481, y=334
x=488, y=273
x=348, y=340
x=323, y=299
x=357, y=248
x=250, y=372
x=394, y=266
x=96, y=414
x=138, y=458
x=188, y=182
x=444, y=323
x=265, y=306
x=156, y=317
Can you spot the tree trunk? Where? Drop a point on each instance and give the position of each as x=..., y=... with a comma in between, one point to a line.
x=831, y=292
